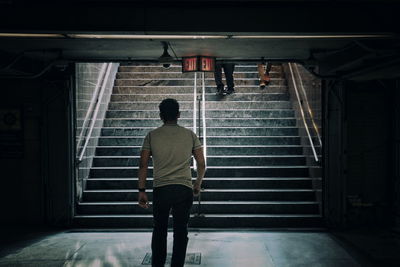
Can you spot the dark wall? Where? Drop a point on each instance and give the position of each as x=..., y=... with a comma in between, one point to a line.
x=360, y=151
x=369, y=146
x=36, y=187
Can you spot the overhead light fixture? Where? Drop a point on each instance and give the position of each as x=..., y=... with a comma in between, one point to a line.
x=165, y=58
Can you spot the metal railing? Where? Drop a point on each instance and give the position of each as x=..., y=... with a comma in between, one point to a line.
x=303, y=113
x=203, y=116
x=308, y=105
x=195, y=111
x=200, y=108
x=92, y=103
x=98, y=98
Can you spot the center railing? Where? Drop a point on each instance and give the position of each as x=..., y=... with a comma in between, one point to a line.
x=199, y=123
x=199, y=108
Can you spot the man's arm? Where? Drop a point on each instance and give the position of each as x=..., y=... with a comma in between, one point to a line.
x=201, y=169
x=143, y=166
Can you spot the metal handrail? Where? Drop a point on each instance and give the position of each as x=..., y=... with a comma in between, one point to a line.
x=195, y=111
x=92, y=102
x=308, y=105
x=302, y=113
x=203, y=111
x=94, y=116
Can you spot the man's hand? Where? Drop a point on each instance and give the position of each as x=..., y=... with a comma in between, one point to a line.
x=196, y=189
x=143, y=200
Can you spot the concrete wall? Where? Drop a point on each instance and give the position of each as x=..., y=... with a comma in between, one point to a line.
x=360, y=177
x=396, y=156
x=36, y=187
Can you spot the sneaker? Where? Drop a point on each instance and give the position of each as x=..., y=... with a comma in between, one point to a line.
x=267, y=79
x=230, y=90
x=220, y=90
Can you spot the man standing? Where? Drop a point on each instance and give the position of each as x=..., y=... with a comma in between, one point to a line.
x=171, y=148
x=228, y=70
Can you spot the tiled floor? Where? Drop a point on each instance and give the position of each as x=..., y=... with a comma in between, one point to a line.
x=217, y=248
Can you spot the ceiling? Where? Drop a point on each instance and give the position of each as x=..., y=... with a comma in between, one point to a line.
x=326, y=33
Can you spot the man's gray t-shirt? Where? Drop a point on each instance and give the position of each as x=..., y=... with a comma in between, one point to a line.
x=171, y=148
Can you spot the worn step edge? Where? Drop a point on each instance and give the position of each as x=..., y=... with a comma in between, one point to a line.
x=213, y=119
x=208, y=203
x=206, y=216
x=220, y=146
x=215, y=167
x=219, y=179
x=208, y=190
x=213, y=156
x=208, y=137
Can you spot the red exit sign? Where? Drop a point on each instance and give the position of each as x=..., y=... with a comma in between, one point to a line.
x=198, y=63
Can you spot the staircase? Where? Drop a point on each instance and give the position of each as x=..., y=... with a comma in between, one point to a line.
x=256, y=175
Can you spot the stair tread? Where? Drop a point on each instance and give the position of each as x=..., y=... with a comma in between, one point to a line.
x=180, y=72
x=191, y=93
x=217, y=167
x=220, y=178
x=211, y=156
x=190, y=79
x=233, y=202
x=223, y=118
x=191, y=86
x=206, y=190
x=214, y=146
x=207, y=215
x=208, y=127
x=215, y=136
x=208, y=101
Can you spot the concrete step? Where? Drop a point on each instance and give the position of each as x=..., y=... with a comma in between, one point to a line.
x=212, y=171
x=209, y=97
x=212, y=122
x=207, y=207
x=222, y=105
x=210, y=195
x=188, y=89
x=178, y=68
x=188, y=114
x=211, y=131
x=207, y=221
x=211, y=150
x=190, y=82
x=210, y=183
x=245, y=160
x=211, y=140
x=178, y=74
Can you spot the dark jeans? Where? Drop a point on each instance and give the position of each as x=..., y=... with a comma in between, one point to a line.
x=179, y=199
x=228, y=70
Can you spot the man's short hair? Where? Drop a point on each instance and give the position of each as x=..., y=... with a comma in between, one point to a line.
x=169, y=109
